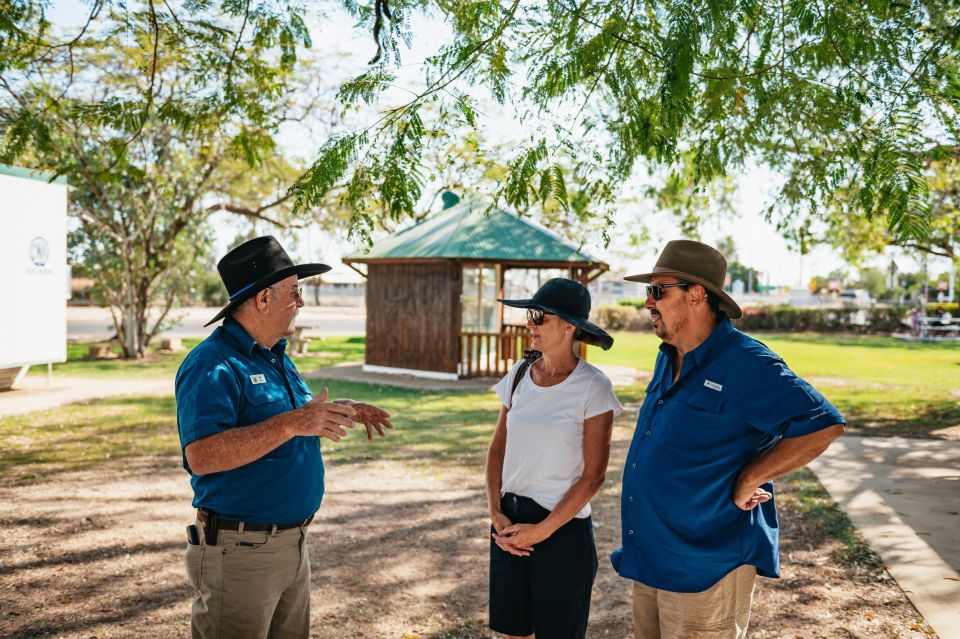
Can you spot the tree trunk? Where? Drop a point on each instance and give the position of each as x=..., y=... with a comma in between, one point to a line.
x=130, y=350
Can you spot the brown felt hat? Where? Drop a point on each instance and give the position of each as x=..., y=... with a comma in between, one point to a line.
x=696, y=263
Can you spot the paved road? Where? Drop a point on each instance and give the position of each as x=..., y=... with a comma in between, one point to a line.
x=903, y=495
x=90, y=323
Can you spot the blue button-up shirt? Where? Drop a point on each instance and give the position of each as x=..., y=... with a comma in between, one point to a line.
x=733, y=400
x=230, y=381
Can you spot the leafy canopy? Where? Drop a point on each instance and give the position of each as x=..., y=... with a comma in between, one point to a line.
x=157, y=117
x=849, y=100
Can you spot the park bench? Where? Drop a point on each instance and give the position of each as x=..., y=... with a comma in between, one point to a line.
x=172, y=344
x=936, y=327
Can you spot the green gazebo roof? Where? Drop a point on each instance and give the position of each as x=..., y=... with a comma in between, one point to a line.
x=467, y=232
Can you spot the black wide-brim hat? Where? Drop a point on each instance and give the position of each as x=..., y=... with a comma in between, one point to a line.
x=696, y=263
x=253, y=266
x=570, y=301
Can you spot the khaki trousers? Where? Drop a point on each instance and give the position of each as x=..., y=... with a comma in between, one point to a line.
x=251, y=585
x=720, y=612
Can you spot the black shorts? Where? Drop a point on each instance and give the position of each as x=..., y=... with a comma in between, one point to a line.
x=548, y=592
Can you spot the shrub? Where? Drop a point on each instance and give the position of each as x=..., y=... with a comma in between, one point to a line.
x=623, y=318
x=823, y=320
x=630, y=315
x=950, y=308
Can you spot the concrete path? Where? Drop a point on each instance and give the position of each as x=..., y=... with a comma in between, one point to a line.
x=903, y=495
x=33, y=393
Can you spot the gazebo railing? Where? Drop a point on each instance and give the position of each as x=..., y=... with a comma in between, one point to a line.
x=488, y=354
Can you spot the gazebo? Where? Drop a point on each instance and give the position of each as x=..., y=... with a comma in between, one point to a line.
x=432, y=291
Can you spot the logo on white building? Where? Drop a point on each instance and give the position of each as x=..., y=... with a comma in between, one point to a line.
x=39, y=251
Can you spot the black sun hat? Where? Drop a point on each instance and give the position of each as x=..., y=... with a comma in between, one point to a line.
x=570, y=301
x=253, y=266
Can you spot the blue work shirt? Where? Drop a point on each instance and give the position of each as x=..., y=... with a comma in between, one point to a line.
x=230, y=381
x=733, y=400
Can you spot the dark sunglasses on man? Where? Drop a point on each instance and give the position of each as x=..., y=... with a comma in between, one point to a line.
x=656, y=290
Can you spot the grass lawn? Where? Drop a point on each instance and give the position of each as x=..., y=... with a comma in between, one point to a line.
x=432, y=428
x=882, y=385
x=163, y=365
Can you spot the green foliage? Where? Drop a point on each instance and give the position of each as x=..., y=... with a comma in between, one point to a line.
x=849, y=101
x=858, y=238
x=852, y=103
x=823, y=320
x=155, y=116
x=786, y=319
x=626, y=316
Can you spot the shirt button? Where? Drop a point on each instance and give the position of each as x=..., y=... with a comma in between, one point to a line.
x=660, y=402
x=630, y=498
x=647, y=433
x=273, y=361
x=629, y=532
x=633, y=465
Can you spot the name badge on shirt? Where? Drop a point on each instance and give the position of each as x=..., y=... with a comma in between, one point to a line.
x=715, y=386
x=258, y=379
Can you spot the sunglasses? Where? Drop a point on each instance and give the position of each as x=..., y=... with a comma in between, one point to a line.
x=536, y=316
x=656, y=290
x=297, y=292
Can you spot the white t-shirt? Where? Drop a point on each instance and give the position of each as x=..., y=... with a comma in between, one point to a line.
x=544, y=455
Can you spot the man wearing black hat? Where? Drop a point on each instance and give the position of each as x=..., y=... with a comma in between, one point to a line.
x=723, y=416
x=249, y=431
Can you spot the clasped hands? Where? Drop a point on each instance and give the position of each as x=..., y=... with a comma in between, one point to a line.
x=330, y=419
x=516, y=539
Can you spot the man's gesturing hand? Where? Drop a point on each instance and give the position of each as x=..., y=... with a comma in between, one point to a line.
x=372, y=417
x=323, y=419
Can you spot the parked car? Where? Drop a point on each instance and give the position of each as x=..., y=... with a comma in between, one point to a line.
x=856, y=298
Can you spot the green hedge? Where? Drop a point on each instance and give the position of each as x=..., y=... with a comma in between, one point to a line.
x=623, y=317
x=933, y=306
x=823, y=320
x=630, y=315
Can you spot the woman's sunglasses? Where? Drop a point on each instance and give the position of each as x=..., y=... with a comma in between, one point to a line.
x=536, y=316
x=656, y=290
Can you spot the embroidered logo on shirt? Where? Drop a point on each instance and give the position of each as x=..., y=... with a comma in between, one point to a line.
x=715, y=386
x=258, y=379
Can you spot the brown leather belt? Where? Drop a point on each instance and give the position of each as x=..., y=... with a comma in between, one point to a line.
x=225, y=524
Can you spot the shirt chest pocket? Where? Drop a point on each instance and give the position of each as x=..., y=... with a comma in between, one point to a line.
x=264, y=401
x=697, y=419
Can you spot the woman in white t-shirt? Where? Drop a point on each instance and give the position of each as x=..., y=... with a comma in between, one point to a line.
x=548, y=458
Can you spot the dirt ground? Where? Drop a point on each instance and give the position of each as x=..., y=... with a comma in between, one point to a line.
x=398, y=548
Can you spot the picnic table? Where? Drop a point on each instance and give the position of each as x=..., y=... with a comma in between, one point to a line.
x=299, y=342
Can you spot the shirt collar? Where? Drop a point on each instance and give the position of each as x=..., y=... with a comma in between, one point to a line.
x=239, y=334
x=247, y=344
x=714, y=341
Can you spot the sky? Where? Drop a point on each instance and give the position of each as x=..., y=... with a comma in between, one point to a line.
x=335, y=38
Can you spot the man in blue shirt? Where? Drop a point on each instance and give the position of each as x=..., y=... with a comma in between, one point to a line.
x=723, y=416
x=249, y=433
